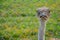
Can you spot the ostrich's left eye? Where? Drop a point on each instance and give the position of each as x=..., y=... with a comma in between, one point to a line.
x=38, y=13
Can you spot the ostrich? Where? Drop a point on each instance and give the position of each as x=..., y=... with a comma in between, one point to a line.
x=43, y=14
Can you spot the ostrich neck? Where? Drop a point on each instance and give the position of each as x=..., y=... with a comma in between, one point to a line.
x=41, y=34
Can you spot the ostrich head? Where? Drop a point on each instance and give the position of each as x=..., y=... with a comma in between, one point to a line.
x=43, y=13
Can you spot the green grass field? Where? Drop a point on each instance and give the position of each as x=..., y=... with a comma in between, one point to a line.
x=18, y=20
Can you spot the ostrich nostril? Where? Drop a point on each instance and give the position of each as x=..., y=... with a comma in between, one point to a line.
x=43, y=16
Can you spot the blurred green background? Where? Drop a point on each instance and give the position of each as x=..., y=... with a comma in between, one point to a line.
x=18, y=20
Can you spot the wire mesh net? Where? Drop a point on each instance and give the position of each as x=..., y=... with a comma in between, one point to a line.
x=18, y=20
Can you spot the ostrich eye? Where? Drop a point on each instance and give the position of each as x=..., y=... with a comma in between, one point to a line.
x=49, y=11
x=38, y=13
